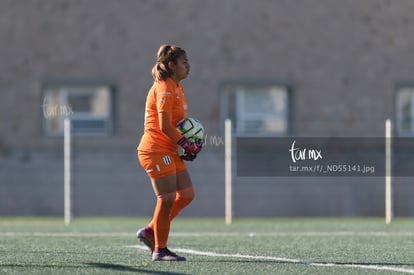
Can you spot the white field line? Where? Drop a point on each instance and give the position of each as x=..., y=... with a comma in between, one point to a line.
x=285, y=260
x=213, y=234
x=238, y=234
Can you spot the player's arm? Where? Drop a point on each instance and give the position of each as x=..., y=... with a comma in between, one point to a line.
x=167, y=127
x=171, y=131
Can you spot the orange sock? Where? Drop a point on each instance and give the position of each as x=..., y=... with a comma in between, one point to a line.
x=182, y=199
x=161, y=221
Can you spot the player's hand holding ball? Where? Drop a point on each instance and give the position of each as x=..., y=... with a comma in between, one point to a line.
x=190, y=147
x=193, y=137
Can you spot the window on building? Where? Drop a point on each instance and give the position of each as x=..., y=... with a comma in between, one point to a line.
x=405, y=111
x=89, y=106
x=256, y=109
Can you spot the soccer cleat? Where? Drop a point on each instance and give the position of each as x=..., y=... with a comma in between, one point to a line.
x=164, y=254
x=146, y=235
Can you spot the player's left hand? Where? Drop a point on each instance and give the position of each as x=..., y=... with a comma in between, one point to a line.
x=188, y=157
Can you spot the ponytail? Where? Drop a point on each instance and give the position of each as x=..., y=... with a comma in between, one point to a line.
x=166, y=54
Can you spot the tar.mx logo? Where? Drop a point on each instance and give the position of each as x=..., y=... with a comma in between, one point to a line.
x=298, y=153
x=213, y=140
x=53, y=109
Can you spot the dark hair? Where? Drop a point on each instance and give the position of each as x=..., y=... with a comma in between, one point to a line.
x=166, y=54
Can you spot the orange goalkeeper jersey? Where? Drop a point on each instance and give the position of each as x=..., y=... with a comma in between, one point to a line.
x=164, y=96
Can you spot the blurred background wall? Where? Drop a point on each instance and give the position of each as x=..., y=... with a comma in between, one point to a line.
x=315, y=68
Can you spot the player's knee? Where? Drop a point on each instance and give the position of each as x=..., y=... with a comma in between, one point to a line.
x=169, y=197
x=191, y=196
x=187, y=193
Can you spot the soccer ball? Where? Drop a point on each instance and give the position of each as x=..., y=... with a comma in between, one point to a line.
x=191, y=128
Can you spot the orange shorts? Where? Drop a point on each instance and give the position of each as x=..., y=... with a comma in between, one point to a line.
x=159, y=165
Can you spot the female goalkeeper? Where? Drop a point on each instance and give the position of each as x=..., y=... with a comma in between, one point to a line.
x=157, y=150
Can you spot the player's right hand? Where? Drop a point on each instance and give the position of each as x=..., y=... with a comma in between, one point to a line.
x=192, y=148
